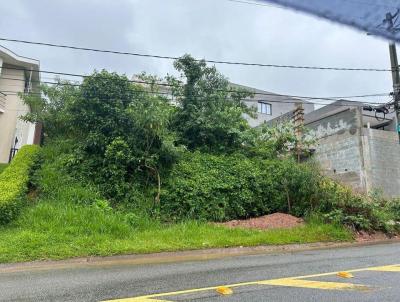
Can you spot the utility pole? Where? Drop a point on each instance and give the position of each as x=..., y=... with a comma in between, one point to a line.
x=396, y=83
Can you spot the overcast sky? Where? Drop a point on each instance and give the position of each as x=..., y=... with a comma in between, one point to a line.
x=211, y=29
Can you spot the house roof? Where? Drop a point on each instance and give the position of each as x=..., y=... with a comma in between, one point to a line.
x=11, y=58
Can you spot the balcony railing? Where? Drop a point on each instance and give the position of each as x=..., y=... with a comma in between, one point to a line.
x=2, y=102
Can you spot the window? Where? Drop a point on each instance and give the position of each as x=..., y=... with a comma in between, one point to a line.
x=264, y=108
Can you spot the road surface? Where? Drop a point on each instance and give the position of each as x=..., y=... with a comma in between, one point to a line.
x=299, y=276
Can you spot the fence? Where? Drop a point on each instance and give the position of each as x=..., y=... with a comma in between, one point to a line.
x=13, y=152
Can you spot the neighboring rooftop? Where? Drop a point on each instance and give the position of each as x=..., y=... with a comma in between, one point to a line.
x=9, y=57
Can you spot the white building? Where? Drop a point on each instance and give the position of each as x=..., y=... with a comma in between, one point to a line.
x=17, y=75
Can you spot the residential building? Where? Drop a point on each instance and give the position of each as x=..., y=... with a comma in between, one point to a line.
x=267, y=105
x=17, y=75
x=270, y=106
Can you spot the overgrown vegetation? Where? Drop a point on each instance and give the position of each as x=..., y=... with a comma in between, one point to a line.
x=341, y=205
x=190, y=158
x=225, y=187
x=70, y=219
x=210, y=116
x=14, y=181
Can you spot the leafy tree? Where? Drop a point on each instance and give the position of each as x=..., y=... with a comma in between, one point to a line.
x=119, y=129
x=210, y=115
x=125, y=135
x=51, y=108
x=123, y=130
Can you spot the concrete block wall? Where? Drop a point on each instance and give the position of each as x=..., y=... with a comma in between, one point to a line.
x=339, y=146
x=382, y=161
x=366, y=159
x=341, y=158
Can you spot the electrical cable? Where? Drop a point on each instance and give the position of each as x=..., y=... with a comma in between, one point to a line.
x=228, y=91
x=208, y=61
x=174, y=96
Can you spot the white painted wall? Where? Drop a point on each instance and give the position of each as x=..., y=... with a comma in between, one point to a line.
x=31, y=134
x=10, y=124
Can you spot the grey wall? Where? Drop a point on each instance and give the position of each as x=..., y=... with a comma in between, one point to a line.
x=382, y=161
x=338, y=148
x=366, y=159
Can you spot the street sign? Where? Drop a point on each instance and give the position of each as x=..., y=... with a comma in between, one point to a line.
x=377, y=17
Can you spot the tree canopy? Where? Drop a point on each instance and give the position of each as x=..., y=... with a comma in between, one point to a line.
x=211, y=111
x=124, y=133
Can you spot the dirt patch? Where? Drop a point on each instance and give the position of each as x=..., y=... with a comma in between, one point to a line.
x=273, y=221
x=371, y=237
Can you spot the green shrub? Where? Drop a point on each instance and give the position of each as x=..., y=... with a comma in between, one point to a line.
x=224, y=187
x=393, y=206
x=341, y=205
x=55, y=183
x=14, y=182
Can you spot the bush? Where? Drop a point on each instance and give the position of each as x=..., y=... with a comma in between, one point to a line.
x=53, y=181
x=393, y=206
x=224, y=187
x=14, y=182
x=341, y=205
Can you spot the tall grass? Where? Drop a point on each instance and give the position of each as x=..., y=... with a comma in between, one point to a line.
x=51, y=230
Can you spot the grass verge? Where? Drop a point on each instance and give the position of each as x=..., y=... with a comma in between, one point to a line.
x=71, y=220
x=51, y=231
x=57, y=231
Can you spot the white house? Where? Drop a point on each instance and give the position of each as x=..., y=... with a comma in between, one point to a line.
x=17, y=75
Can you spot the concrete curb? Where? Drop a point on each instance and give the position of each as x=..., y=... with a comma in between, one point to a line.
x=180, y=256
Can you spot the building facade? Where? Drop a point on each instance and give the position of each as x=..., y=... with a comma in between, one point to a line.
x=267, y=105
x=270, y=106
x=17, y=75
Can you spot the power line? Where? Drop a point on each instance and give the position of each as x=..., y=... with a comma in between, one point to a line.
x=208, y=61
x=71, y=75
x=228, y=91
x=260, y=93
x=286, y=101
x=167, y=94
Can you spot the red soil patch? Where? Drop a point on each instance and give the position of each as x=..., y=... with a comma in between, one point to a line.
x=273, y=221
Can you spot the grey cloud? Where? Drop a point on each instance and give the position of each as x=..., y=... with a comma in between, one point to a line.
x=214, y=29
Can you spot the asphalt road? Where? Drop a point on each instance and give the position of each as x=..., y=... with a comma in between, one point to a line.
x=301, y=276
